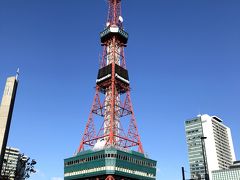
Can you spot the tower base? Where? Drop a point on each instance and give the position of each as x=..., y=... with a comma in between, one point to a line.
x=106, y=177
x=109, y=164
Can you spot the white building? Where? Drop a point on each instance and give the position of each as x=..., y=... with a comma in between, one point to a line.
x=13, y=164
x=218, y=145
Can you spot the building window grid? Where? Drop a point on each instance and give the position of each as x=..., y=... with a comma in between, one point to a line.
x=222, y=145
x=230, y=174
x=109, y=155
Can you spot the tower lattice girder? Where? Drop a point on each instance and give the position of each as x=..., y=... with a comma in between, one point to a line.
x=112, y=98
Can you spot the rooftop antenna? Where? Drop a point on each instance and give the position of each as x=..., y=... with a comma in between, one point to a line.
x=120, y=19
x=17, y=74
x=108, y=24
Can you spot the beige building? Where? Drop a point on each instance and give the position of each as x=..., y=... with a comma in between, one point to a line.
x=6, y=110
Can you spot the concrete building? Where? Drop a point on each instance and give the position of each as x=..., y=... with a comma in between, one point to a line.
x=217, y=147
x=6, y=110
x=233, y=173
x=13, y=165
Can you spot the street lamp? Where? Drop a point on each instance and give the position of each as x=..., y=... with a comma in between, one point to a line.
x=204, y=158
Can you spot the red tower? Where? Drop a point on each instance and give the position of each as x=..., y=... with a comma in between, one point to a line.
x=112, y=99
x=111, y=147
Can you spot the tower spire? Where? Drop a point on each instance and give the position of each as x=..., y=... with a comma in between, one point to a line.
x=17, y=74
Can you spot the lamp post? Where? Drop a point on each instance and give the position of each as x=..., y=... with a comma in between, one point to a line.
x=204, y=158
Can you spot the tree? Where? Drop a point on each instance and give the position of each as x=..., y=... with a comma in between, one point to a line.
x=25, y=167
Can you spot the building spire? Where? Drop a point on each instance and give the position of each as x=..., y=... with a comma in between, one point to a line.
x=17, y=74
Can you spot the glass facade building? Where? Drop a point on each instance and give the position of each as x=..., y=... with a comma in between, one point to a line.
x=233, y=173
x=217, y=148
x=194, y=133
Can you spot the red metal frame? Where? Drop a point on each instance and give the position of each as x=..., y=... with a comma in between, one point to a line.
x=110, y=178
x=115, y=101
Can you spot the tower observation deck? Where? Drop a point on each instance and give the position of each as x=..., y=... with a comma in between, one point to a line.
x=108, y=150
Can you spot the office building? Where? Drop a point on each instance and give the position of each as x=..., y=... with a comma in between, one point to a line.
x=210, y=140
x=233, y=173
x=13, y=164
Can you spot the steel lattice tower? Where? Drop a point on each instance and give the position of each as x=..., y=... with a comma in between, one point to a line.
x=113, y=83
x=111, y=143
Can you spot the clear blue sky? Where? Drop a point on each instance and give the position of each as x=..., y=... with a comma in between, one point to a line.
x=183, y=58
